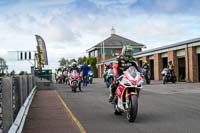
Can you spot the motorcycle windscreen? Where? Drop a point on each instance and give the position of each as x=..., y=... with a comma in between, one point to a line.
x=75, y=73
x=110, y=71
x=165, y=70
x=132, y=71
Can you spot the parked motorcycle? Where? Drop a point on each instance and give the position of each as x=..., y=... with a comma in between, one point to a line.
x=146, y=74
x=127, y=93
x=109, y=77
x=75, y=80
x=168, y=76
x=90, y=76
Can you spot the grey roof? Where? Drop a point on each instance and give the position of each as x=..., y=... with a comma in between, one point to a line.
x=116, y=40
x=169, y=46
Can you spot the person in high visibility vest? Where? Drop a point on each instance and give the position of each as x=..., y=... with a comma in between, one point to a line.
x=171, y=67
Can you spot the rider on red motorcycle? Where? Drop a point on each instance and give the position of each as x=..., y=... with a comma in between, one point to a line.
x=123, y=62
x=74, y=67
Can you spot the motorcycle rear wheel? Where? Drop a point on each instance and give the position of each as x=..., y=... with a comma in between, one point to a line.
x=174, y=79
x=133, y=108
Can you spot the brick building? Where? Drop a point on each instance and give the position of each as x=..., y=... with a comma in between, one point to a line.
x=106, y=49
x=184, y=55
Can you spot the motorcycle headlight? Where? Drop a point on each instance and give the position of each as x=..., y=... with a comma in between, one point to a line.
x=140, y=83
x=127, y=84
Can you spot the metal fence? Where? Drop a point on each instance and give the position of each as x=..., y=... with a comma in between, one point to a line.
x=13, y=93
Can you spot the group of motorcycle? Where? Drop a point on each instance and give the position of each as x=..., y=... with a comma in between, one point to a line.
x=74, y=79
x=129, y=86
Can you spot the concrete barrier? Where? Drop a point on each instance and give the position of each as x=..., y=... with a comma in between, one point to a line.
x=24, y=88
x=7, y=104
x=13, y=95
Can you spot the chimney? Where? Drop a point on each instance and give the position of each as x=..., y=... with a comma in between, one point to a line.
x=112, y=31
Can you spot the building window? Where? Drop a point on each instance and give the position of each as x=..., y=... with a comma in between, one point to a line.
x=93, y=53
x=96, y=53
x=136, y=50
x=110, y=51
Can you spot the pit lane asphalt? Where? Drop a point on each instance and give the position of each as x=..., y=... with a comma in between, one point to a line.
x=170, y=108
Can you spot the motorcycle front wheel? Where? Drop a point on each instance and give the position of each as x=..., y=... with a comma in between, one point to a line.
x=109, y=82
x=133, y=108
x=91, y=80
x=74, y=89
x=164, y=79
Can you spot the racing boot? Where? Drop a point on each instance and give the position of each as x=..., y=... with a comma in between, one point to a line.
x=113, y=88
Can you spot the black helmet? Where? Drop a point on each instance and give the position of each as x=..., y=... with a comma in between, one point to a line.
x=74, y=64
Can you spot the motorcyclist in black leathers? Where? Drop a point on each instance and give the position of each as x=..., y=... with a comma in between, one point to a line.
x=123, y=62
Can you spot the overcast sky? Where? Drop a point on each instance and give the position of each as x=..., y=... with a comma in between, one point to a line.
x=69, y=27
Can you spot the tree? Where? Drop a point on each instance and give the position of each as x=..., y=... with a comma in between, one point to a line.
x=3, y=66
x=12, y=73
x=23, y=73
x=63, y=62
x=81, y=60
x=92, y=61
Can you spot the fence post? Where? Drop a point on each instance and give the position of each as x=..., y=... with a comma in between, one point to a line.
x=20, y=90
x=28, y=86
x=33, y=76
x=24, y=88
x=16, y=96
x=30, y=83
x=7, y=103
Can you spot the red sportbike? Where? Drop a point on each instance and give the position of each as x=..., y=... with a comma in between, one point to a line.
x=127, y=93
x=75, y=80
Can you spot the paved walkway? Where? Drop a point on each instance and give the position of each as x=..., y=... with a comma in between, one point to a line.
x=47, y=114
